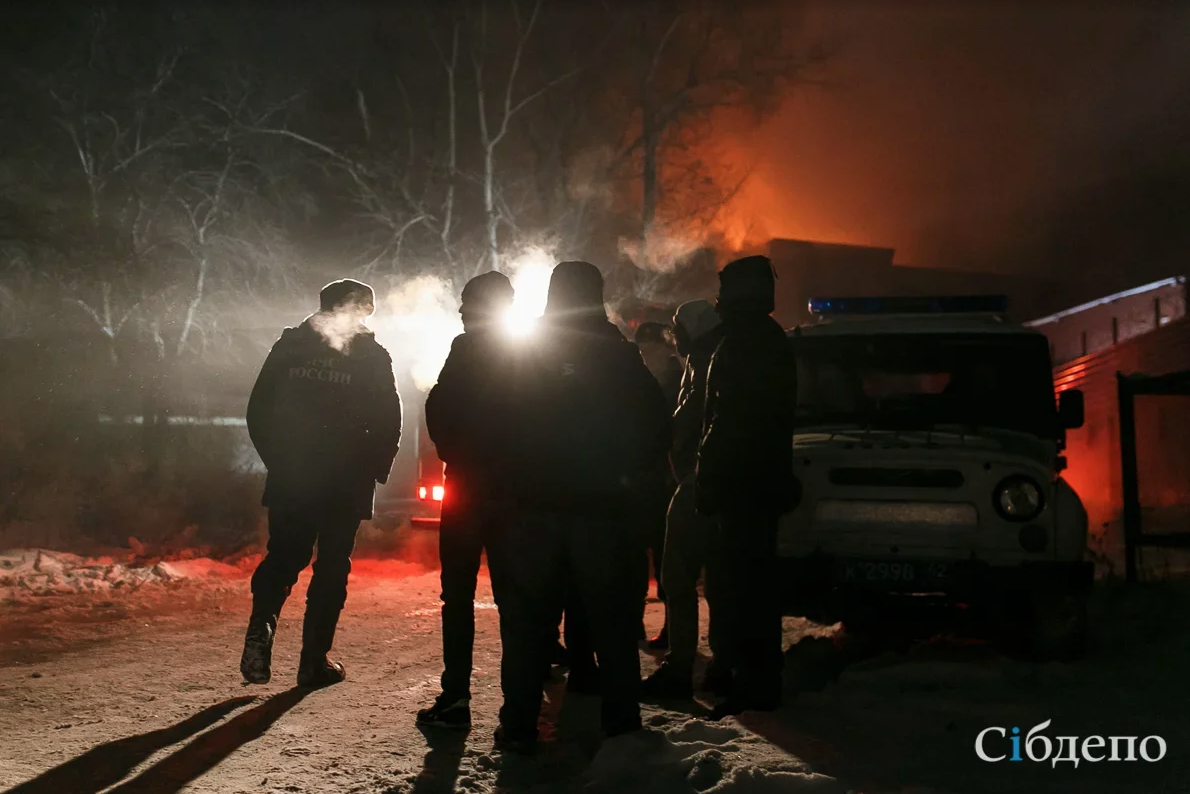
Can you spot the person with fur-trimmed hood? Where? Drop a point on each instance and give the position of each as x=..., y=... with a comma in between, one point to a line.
x=325, y=418
x=745, y=475
x=688, y=534
x=591, y=425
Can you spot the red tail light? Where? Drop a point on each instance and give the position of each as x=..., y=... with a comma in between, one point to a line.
x=433, y=492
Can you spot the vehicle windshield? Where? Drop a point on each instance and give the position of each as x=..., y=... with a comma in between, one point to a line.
x=921, y=381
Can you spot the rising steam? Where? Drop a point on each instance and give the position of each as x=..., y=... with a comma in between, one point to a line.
x=418, y=322
x=340, y=327
x=663, y=253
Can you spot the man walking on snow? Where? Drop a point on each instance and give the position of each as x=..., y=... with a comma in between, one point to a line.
x=688, y=535
x=464, y=415
x=325, y=418
x=745, y=475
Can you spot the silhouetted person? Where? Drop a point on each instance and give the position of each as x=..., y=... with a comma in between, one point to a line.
x=656, y=347
x=688, y=535
x=745, y=475
x=463, y=416
x=591, y=425
x=325, y=418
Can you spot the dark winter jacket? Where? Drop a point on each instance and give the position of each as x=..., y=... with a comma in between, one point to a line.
x=326, y=422
x=670, y=379
x=745, y=461
x=592, y=426
x=467, y=412
x=692, y=397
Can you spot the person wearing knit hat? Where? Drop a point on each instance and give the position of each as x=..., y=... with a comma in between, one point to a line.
x=745, y=476
x=325, y=418
x=688, y=535
x=465, y=413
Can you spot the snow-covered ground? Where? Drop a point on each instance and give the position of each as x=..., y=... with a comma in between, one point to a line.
x=125, y=679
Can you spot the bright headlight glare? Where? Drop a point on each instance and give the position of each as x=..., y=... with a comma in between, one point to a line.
x=1018, y=499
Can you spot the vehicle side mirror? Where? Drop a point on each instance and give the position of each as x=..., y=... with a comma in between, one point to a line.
x=1070, y=409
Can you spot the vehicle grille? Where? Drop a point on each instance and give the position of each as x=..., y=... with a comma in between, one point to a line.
x=865, y=512
x=897, y=478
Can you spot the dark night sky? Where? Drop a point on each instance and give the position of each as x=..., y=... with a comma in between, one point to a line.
x=993, y=135
x=1040, y=137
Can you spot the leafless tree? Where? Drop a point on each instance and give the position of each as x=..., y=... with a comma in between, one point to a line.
x=505, y=94
x=686, y=65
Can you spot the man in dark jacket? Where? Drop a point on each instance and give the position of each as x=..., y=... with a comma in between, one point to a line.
x=463, y=416
x=745, y=474
x=689, y=535
x=656, y=347
x=325, y=418
x=590, y=426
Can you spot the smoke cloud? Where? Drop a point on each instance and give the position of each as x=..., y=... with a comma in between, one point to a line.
x=418, y=321
x=956, y=132
x=417, y=324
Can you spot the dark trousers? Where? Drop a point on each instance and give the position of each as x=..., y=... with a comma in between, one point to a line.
x=746, y=545
x=463, y=535
x=576, y=635
x=655, y=534
x=689, y=549
x=545, y=559
x=294, y=530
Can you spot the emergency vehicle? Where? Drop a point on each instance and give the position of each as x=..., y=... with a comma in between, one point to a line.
x=928, y=446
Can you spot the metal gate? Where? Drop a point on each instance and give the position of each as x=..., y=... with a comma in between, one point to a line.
x=1129, y=387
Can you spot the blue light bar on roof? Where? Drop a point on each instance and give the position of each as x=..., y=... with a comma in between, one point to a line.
x=957, y=304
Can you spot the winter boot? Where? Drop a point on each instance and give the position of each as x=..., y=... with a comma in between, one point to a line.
x=316, y=672
x=447, y=712
x=717, y=679
x=519, y=745
x=733, y=707
x=256, y=663
x=318, y=634
x=668, y=682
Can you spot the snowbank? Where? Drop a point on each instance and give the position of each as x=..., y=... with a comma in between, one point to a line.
x=37, y=572
x=697, y=756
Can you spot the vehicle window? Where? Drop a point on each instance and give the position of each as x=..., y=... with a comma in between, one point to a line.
x=922, y=380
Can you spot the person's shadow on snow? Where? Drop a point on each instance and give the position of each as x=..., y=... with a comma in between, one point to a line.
x=440, y=769
x=109, y=763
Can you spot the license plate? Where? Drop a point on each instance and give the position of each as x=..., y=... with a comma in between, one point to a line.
x=893, y=572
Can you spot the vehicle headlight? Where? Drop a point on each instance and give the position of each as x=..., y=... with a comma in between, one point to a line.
x=1018, y=498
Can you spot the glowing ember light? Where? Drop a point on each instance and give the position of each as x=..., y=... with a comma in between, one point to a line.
x=438, y=492
x=421, y=492
x=530, y=275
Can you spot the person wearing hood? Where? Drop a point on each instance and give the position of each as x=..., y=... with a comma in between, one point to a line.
x=745, y=476
x=688, y=535
x=325, y=418
x=463, y=417
x=591, y=425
